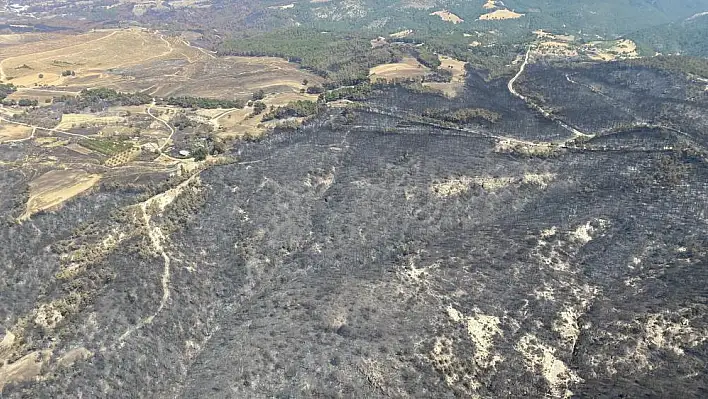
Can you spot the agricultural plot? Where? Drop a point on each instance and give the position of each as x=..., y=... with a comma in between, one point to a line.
x=133, y=60
x=11, y=132
x=408, y=68
x=455, y=86
x=55, y=187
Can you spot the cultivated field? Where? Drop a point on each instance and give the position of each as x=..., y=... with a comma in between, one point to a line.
x=409, y=67
x=135, y=60
x=55, y=187
x=10, y=132
x=455, y=86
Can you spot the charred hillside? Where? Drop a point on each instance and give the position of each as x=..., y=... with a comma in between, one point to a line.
x=368, y=255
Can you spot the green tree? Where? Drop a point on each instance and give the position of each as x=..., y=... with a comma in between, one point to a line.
x=259, y=95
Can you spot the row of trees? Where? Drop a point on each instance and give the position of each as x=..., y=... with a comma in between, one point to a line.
x=462, y=115
x=300, y=108
x=203, y=103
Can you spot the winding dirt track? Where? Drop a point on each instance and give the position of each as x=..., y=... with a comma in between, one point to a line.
x=576, y=133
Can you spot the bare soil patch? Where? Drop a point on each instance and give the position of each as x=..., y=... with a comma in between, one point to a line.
x=447, y=16
x=499, y=15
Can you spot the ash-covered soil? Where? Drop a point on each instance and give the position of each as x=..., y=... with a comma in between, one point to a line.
x=370, y=259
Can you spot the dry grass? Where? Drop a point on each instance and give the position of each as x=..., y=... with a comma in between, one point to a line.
x=10, y=131
x=69, y=121
x=401, y=34
x=55, y=187
x=134, y=60
x=454, y=87
x=26, y=368
x=610, y=51
x=541, y=359
x=238, y=123
x=447, y=16
x=499, y=15
x=90, y=55
x=490, y=4
x=550, y=44
x=408, y=68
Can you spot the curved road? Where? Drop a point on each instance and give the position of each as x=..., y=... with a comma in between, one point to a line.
x=576, y=133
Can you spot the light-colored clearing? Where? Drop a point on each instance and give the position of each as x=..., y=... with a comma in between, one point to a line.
x=499, y=15
x=131, y=60
x=525, y=148
x=401, y=34
x=451, y=187
x=11, y=131
x=612, y=50
x=26, y=368
x=447, y=16
x=409, y=67
x=585, y=232
x=283, y=7
x=69, y=121
x=492, y=184
x=455, y=86
x=566, y=322
x=481, y=329
x=55, y=187
x=490, y=4
x=74, y=355
x=541, y=358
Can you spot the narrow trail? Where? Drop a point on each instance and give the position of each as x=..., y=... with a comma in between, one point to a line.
x=576, y=133
x=43, y=128
x=188, y=44
x=3, y=76
x=172, y=130
x=30, y=137
x=157, y=242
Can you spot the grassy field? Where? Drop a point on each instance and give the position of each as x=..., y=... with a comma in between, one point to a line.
x=454, y=86
x=105, y=146
x=131, y=60
x=447, y=16
x=409, y=67
x=69, y=121
x=9, y=131
x=56, y=186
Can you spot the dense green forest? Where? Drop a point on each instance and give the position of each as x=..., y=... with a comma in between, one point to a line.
x=682, y=64
x=298, y=108
x=204, y=103
x=344, y=58
x=688, y=37
x=6, y=90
